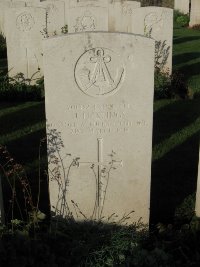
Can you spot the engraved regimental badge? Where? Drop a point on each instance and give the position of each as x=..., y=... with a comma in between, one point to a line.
x=25, y=22
x=99, y=72
x=87, y=22
x=153, y=23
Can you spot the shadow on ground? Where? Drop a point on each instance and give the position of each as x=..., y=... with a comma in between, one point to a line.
x=185, y=57
x=179, y=40
x=172, y=118
x=174, y=177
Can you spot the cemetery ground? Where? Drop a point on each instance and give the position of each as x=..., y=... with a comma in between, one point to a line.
x=174, y=241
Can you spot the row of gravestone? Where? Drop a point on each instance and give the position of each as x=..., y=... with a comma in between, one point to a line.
x=191, y=7
x=99, y=109
x=26, y=27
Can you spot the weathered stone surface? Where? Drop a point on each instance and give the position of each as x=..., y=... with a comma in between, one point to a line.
x=195, y=12
x=120, y=15
x=87, y=16
x=157, y=23
x=25, y=29
x=55, y=15
x=99, y=109
x=4, y=5
x=197, y=209
x=182, y=6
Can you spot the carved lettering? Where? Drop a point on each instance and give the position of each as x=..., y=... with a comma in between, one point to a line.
x=99, y=119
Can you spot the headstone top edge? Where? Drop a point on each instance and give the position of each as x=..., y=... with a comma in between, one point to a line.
x=99, y=32
x=26, y=8
x=155, y=7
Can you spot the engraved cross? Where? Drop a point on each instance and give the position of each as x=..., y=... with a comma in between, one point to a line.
x=100, y=164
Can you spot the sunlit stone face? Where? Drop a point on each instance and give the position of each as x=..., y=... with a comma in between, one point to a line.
x=99, y=113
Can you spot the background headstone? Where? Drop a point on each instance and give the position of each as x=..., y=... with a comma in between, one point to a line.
x=55, y=19
x=4, y=5
x=28, y=1
x=197, y=209
x=99, y=109
x=195, y=12
x=25, y=29
x=88, y=16
x=182, y=5
x=157, y=23
x=120, y=15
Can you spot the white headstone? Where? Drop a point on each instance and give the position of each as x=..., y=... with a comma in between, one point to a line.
x=182, y=5
x=4, y=5
x=99, y=108
x=27, y=1
x=88, y=16
x=197, y=209
x=157, y=23
x=120, y=15
x=55, y=11
x=25, y=29
x=195, y=12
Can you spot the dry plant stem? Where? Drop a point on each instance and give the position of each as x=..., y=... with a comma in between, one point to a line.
x=15, y=171
x=106, y=186
x=125, y=217
x=12, y=189
x=64, y=174
x=27, y=189
x=13, y=196
x=66, y=183
x=76, y=206
x=95, y=205
x=63, y=188
x=39, y=176
x=75, y=209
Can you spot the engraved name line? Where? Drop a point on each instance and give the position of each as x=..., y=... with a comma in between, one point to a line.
x=97, y=107
x=100, y=115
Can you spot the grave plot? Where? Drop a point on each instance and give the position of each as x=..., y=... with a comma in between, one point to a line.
x=99, y=112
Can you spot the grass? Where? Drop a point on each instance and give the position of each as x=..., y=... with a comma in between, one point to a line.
x=186, y=55
x=22, y=126
x=3, y=64
x=174, y=173
x=175, y=155
x=175, y=148
x=176, y=133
